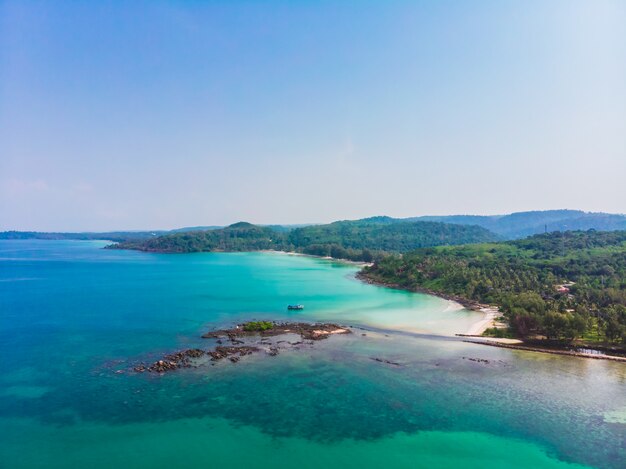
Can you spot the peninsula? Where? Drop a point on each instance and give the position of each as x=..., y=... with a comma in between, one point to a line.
x=554, y=290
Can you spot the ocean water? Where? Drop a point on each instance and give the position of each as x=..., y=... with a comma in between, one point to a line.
x=74, y=317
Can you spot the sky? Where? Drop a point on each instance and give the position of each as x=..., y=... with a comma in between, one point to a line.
x=155, y=115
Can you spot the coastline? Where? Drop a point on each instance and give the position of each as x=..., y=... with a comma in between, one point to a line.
x=521, y=346
x=328, y=258
x=490, y=318
x=490, y=313
x=115, y=245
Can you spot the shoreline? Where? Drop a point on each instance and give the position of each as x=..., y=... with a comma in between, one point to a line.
x=490, y=313
x=526, y=348
x=490, y=318
x=114, y=245
x=328, y=258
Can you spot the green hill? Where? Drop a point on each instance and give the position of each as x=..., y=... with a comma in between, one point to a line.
x=343, y=239
x=356, y=240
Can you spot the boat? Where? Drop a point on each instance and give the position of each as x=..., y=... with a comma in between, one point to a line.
x=295, y=306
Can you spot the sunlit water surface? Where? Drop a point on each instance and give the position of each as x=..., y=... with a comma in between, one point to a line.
x=72, y=314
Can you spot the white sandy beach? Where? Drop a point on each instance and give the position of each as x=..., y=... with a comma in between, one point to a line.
x=490, y=315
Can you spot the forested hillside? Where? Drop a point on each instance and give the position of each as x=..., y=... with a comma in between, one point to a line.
x=343, y=239
x=560, y=285
x=355, y=240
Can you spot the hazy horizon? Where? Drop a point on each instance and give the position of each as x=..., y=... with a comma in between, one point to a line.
x=161, y=115
x=192, y=225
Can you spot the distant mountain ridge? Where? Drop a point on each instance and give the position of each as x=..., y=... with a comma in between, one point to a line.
x=521, y=224
x=511, y=226
x=117, y=236
x=120, y=236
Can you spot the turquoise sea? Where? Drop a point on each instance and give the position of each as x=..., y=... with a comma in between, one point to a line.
x=74, y=317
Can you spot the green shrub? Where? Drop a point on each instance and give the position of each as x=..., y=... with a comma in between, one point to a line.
x=257, y=326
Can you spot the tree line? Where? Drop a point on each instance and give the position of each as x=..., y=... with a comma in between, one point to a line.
x=361, y=240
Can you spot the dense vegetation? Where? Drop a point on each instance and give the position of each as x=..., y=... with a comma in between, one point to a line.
x=355, y=240
x=522, y=224
x=260, y=326
x=558, y=285
x=344, y=239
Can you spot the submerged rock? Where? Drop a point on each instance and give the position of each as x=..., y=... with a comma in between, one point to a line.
x=477, y=360
x=171, y=361
x=388, y=362
x=232, y=352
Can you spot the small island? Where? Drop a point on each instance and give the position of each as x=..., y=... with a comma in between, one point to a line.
x=305, y=330
x=245, y=339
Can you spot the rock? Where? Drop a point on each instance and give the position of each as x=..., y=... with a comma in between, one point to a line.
x=478, y=360
x=172, y=361
x=382, y=360
x=187, y=358
x=225, y=352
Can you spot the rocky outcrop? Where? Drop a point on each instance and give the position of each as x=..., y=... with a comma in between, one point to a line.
x=305, y=330
x=172, y=361
x=244, y=342
x=233, y=353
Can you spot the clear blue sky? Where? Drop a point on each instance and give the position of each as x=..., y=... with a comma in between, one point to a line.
x=130, y=115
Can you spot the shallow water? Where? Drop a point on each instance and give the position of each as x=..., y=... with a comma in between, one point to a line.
x=72, y=314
